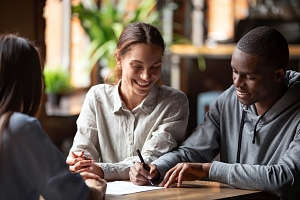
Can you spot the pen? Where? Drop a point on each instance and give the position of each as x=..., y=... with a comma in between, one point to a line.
x=143, y=162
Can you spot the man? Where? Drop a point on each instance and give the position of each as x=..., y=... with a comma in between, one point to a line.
x=254, y=125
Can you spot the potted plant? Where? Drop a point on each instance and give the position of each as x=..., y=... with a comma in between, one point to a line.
x=57, y=83
x=104, y=25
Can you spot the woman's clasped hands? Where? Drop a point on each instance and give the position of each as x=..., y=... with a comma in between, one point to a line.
x=79, y=163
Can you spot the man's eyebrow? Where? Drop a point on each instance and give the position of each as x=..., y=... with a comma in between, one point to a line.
x=247, y=73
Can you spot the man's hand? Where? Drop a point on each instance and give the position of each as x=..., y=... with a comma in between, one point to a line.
x=185, y=172
x=139, y=176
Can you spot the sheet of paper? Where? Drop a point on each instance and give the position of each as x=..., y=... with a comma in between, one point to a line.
x=126, y=187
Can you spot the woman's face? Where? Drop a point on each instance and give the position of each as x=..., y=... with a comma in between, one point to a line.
x=141, y=68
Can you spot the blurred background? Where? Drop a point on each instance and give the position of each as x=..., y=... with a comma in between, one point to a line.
x=77, y=38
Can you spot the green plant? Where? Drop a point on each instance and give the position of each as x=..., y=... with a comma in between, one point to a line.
x=105, y=24
x=57, y=80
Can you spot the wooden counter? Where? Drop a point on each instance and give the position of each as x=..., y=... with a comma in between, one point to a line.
x=220, y=51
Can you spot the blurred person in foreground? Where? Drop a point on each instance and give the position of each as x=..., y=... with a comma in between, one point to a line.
x=30, y=164
x=254, y=125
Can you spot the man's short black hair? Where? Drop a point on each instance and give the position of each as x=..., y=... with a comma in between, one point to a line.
x=266, y=42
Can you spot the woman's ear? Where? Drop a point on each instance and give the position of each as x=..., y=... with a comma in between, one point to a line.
x=118, y=60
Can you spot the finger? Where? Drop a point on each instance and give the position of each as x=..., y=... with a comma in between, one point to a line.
x=70, y=161
x=71, y=168
x=77, y=169
x=167, y=177
x=86, y=164
x=181, y=174
x=172, y=179
x=172, y=176
x=86, y=175
x=137, y=178
x=153, y=170
x=83, y=170
x=140, y=170
x=74, y=155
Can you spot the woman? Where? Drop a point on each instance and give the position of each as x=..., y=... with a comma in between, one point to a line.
x=133, y=110
x=30, y=165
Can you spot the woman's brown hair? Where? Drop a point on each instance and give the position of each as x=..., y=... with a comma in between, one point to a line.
x=135, y=33
x=20, y=78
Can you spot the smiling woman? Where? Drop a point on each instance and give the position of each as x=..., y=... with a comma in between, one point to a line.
x=133, y=110
x=140, y=72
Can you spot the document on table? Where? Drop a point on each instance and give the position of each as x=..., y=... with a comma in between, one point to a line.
x=126, y=187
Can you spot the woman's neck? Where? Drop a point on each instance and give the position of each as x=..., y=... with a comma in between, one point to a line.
x=130, y=99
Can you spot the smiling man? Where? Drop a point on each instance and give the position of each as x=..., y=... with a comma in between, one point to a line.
x=254, y=125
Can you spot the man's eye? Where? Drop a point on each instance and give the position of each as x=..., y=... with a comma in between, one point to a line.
x=155, y=67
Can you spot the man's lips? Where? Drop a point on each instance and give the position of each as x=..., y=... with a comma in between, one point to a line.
x=242, y=93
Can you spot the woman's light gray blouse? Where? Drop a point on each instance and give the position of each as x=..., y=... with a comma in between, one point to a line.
x=110, y=133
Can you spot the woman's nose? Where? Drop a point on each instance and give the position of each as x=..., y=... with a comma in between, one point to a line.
x=146, y=74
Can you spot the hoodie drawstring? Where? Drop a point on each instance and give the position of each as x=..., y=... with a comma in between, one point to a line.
x=241, y=133
x=254, y=131
x=240, y=137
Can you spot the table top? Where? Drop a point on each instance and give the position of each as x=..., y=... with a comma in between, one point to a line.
x=196, y=190
x=218, y=51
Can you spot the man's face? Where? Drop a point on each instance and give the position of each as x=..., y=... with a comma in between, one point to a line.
x=254, y=82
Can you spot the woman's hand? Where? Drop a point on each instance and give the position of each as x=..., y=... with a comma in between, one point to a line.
x=185, y=172
x=89, y=175
x=79, y=163
x=97, y=188
x=139, y=176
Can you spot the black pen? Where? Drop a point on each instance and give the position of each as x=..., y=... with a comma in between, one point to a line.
x=143, y=162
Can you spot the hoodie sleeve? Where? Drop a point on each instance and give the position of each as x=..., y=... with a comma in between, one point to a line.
x=281, y=179
x=201, y=146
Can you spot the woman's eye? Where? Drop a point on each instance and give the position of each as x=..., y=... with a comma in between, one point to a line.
x=136, y=66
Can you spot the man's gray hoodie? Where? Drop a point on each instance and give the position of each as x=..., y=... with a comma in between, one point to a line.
x=256, y=152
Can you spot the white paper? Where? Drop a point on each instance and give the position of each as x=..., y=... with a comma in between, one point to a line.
x=126, y=187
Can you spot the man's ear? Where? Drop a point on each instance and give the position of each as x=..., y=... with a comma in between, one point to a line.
x=279, y=74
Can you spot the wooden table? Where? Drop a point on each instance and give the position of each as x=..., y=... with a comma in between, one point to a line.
x=196, y=190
